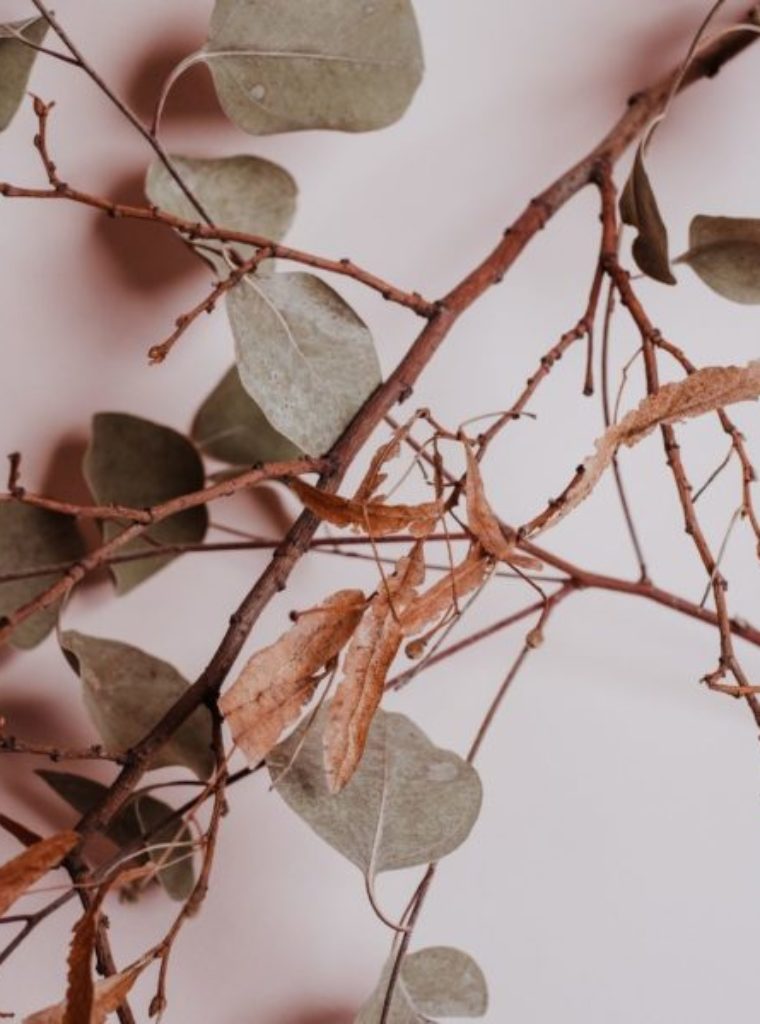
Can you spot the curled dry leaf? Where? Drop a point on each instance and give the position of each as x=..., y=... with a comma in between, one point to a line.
x=484, y=524
x=80, y=988
x=108, y=995
x=268, y=695
x=373, y=517
x=465, y=577
x=725, y=253
x=373, y=647
x=703, y=391
x=20, y=873
x=638, y=207
x=374, y=476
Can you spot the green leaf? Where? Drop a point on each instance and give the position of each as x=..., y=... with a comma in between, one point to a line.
x=303, y=355
x=436, y=982
x=725, y=253
x=243, y=193
x=285, y=65
x=136, y=463
x=229, y=426
x=638, y=207
x=32, y=538
x=16, y=62
x=136, y=819
x=408, y=803
x=126, y=692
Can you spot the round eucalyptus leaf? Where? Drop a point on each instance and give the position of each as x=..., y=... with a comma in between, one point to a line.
x=32, y=538
x=126, y=692
x=286, y=65
x=725, y=253
x=16, y=61
x=230, y=426
x=133, y=462
x=304, y=356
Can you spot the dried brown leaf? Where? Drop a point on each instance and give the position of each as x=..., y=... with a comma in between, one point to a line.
x=374, y=476
x=373, y=517
x=109, y=994
x=80, y=988
x=703, y=391
x=19, y=874
x=372, y=649
x=434, y=602
x=268, y=695
x=484, y=524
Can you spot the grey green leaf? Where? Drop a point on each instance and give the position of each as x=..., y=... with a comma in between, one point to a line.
x=303, y=355
x=139, y=817
x=244, y=193
x=725, y=253
x=408, y=803
x=230, y=426
x=126, y=692
x=33, y=538
x=638, y=207
x=136, y=463
x=436, y=982
x=285, y=65
x=16, y=61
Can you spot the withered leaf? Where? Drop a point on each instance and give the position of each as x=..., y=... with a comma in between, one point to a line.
x=374, y=476
x=20, y=874
x=80, y=988
x=277, y=681
x=725, y=253
x=638, y=207
x=434, y=602
x=373, y=647
x=108, y=995
x=703, y=391
x=373, y=517
x=408, y=803
x=484, y=524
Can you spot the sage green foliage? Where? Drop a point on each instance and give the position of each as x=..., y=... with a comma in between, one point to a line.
x=725, y=253
x=16, y=61
x=32, y=538
x=408, y=803
x=286, y=65
x=126, y=692
x=133, y=462
x=436, y=982
x=638, y=207
x=244, y=193
x=172, y=843
x=303, y=354
x=230, y=426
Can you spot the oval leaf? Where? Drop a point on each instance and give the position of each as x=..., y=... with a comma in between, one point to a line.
x=126, y=692
x=32, y=538
x=725, y=253
x=408, y=803
x=436, y=982
x=136, y=463
x=638, y=207
x=283, y=65
x=16, y=62
x=230, y=426
x=244, y=193
x=171, y=845
x=303, y=355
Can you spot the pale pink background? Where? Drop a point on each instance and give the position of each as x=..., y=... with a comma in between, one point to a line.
x=613, y=875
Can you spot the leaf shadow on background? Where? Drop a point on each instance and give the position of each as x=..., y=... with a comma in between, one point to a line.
x=270, y=509
x=63, y=477
x=147, y=257
x=335, y=1015
x=192, y=97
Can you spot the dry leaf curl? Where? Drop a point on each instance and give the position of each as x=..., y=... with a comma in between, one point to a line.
x=20, y=874
x=434, y=602
x=276, y=682
x=372, y=517
x=372, y=649
x=483, y=523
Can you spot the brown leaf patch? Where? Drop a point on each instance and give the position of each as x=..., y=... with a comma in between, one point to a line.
x=434, y=602
x=20, y=874
x=277, y=681
x=372, y=517
x=483, y=523
x=372, y=649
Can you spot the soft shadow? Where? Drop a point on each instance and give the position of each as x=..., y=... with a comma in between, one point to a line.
x=271, y=507
x=336, y=1015
x=659, y=47
x=192, y=97
x=147, y=256
x=64, y=480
